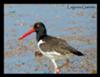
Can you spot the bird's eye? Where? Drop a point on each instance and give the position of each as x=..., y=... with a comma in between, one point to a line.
x=38, y=26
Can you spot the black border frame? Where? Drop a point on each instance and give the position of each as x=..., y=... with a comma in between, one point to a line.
x=40, y=2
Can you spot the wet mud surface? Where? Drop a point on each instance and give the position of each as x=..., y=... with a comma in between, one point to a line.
x=78, y=27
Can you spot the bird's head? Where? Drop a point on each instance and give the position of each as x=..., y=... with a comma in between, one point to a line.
x=38, y=27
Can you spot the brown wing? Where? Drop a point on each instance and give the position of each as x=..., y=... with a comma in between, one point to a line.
x=59, y=45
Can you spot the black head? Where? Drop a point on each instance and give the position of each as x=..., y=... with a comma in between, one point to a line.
x=39, y=27
x=40, y=30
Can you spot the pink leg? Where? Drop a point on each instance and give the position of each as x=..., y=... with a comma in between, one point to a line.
x=58, y=71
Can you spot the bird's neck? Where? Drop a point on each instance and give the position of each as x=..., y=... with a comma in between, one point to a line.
x=41, y=35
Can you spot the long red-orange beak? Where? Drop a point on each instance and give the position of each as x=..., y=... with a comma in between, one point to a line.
x=27, y=33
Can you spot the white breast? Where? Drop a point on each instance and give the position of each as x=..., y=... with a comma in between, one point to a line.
x=41, y=42
x=50, y=54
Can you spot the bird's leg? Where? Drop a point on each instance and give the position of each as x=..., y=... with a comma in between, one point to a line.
x=66, y=63
x=57, y=70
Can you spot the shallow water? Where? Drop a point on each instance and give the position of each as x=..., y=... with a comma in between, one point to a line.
x=77, y=26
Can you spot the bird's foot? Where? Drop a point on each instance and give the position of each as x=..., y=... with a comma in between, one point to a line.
x=38, y=56
x=58, y=71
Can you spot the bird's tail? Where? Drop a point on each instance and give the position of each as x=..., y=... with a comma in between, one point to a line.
x=76, y=52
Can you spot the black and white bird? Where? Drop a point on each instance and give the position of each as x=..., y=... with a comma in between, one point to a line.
x=52, y=47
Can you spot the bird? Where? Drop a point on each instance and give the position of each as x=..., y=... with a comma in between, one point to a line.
x=52, y=47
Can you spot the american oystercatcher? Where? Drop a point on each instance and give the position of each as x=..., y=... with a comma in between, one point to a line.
x=52, y=47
